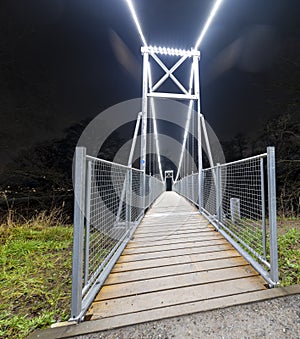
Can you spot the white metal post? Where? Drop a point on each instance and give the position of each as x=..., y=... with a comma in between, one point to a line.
x=77, y=264
x=128, y=199
x=219, y=194
x=87, y=217
x=144, y=125
x=200, y=161
x=272, y=214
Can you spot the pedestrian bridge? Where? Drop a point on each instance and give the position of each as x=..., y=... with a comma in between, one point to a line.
x=140, y=257
x=176, y=263
x=141, y=253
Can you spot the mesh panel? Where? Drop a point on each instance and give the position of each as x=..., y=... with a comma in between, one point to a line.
x=188, y=187
x=242, y=202
x=114, y=205
x=233, y=196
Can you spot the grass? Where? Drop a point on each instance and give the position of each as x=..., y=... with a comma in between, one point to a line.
x=288, y=230
x=35, y=275
x=289, y=257
x=35, y=270
x=288, y=247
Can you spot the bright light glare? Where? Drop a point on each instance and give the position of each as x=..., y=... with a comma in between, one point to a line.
x=170, y=51
x=135, y=19
x=208, y=22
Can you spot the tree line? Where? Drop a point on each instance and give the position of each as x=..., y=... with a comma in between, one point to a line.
x=40, y=177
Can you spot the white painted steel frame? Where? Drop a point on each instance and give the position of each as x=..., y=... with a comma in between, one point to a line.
x=193, y=95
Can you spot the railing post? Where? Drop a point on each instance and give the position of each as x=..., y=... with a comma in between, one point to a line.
x=192, y=190
x=128, y=198
x=272, y=214
x=144, y=127
x=87, y=217
x=201, y=190
x=218, y=194
x=77, y=264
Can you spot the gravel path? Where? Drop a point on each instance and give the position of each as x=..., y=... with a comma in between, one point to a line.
x=277, y=318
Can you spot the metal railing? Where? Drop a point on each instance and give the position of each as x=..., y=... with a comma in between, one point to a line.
x=110, y=200
x=188, y=187
x=234, y=199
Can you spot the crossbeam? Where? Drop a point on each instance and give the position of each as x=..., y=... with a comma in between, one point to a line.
x=170, y=51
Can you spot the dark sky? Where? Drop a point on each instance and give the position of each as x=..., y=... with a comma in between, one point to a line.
x=59, y=62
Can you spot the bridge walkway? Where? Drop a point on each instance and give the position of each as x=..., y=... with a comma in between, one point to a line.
x=175, y=264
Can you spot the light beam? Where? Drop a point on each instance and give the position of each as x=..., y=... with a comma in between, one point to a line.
x=208, y=22
x=136, y=21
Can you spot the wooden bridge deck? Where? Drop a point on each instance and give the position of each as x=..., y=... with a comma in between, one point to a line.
x=175, y=264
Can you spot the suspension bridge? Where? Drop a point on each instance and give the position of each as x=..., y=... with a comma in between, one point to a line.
x=155, y=242
x=139, y=250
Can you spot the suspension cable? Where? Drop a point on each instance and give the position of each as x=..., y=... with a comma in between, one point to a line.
x=136, y=21
x=208, y=22
x=156, y=138
x=186, y=131
x=155, y=125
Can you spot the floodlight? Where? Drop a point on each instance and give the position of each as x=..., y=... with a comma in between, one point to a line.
x=170, y=51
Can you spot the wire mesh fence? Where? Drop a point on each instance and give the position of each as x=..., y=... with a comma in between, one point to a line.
x=239, y=199
x=237, y=202
x=110, y=200
x=189, y=187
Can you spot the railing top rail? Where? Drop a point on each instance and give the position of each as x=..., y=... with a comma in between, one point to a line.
x=263, y=155
x=89, y=157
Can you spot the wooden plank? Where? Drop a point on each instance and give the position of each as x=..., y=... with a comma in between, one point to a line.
x=175, y=259
x=169, y=233
x=170, y=236
x=171, y=224
x=167, y=216
x=176, y=224
x=184, y=212
x=184, y=309
x=173, y=270
x=165, y=219
x=165, y=212
x=98, y=325
x=173, y=251
x=171, y=210
x=167, y=283
x=138, y=265
x=181, y=229
x=156, y=300
x=160, y=243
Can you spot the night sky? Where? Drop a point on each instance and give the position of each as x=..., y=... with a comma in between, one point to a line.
x=61, y=60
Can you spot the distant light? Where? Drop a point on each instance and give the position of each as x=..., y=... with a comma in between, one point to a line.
x=169, y=51
x=135, y=19
x=208, y=22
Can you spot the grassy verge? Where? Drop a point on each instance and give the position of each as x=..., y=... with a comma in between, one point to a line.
x=35, y=276
x=35, y=271
x=289, y=250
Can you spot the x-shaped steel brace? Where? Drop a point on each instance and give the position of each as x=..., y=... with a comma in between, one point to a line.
x=169, y=73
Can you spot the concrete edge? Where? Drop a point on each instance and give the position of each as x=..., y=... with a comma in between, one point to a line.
x=128, y=319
